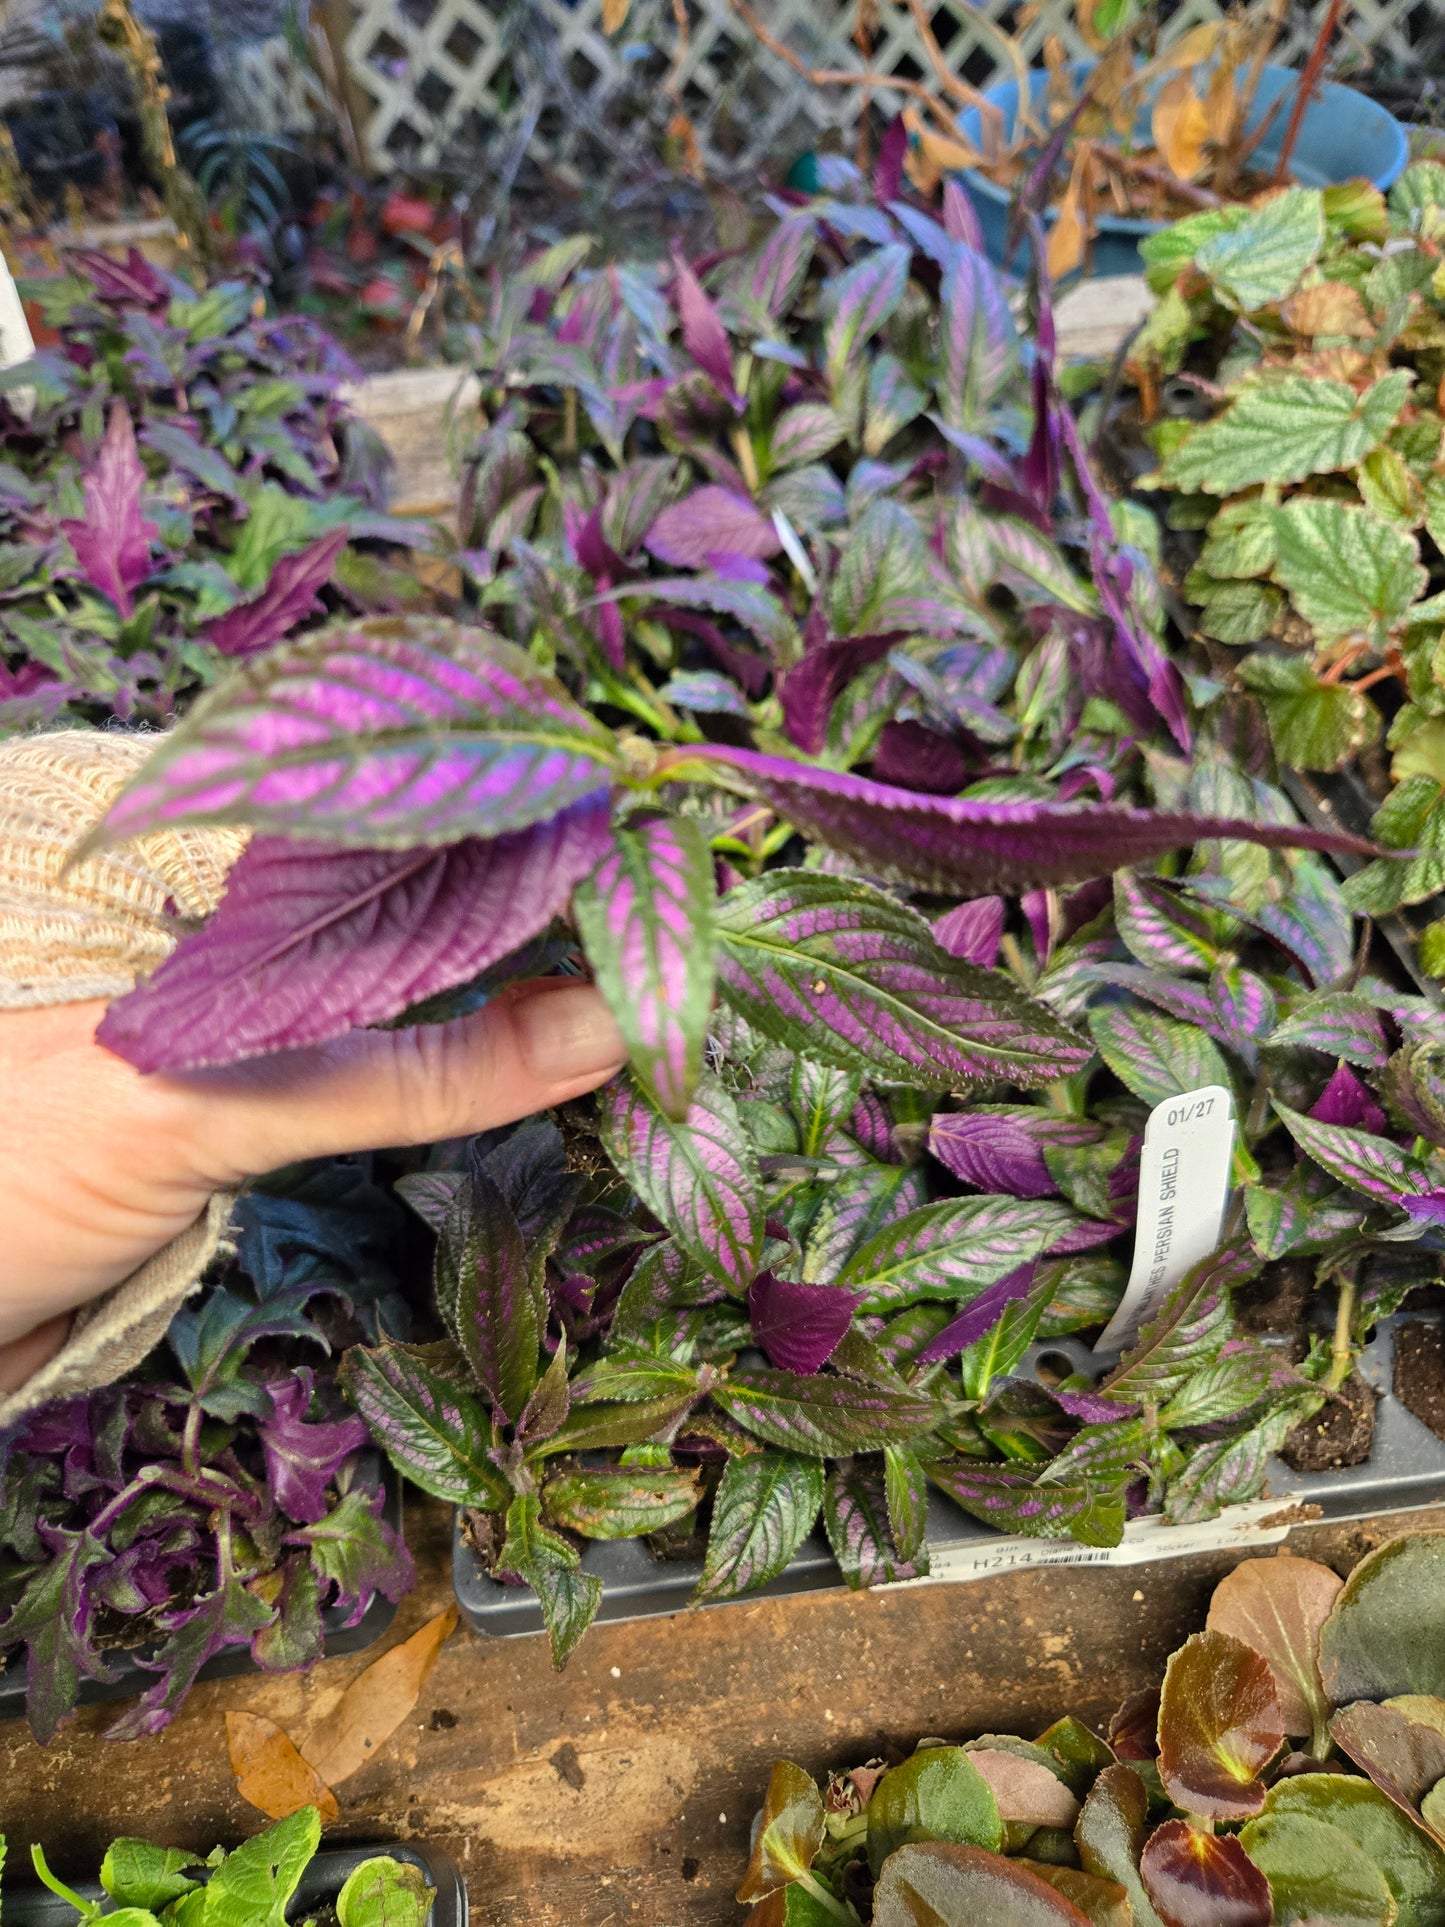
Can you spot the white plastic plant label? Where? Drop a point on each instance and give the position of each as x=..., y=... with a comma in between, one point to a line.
x=1183, y=1190
x=15, y=339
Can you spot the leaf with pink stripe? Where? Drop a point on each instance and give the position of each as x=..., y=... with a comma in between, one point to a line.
x=390, y=733
x=698, y=1177
x=646, y=917
x=310, y=941
x=845, y=973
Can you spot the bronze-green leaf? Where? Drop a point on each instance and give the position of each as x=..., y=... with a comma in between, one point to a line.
x=1110, y=1834
x=1317, y=1872
x=790, y=1834
x=1277, y=1606
x=939, y=1794
x=1219, y=1726
x=1386, y=1632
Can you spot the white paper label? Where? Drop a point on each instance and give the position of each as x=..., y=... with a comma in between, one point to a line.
x=1183, y=1190
x=1259, y=1522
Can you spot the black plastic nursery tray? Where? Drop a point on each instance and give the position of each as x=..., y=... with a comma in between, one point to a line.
x=1405, y=1470
x=323, y=1880
x=133, y=1678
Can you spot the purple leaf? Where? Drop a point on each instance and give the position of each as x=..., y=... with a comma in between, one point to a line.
x=703, y=334
x=712, y=520
x=916, y=757
x=287, y=599
x=1346, y=1100
x=808, y=691
x=888, y=169
x=112, y=544
x=972, y=931
x=979, y=1317
x=999, y=1148
x=311, y=941
x=484, y=1292
x=699, y=1177
x=959, y=217
x=132, y=283
x=646, y=920
x=798, y=1325
x=303, y=1459
x=392, y=732
x=844, y=973
x=959, y=845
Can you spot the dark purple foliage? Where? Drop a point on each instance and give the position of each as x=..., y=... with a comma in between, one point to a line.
x=288, y=598
x=304, y=1456
x=798, y=1325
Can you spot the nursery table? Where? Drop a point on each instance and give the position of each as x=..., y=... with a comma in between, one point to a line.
x=621, y=1791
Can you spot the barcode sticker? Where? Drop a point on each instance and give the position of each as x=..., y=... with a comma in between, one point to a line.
x=1183, y=1190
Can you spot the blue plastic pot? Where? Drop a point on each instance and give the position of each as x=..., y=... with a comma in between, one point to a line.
x=1343, y=137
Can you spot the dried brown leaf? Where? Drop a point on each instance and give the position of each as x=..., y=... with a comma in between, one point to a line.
x=375, y=1703
x=1069, y=234
x=614, y=15
x=1180, y=126
x=1328, y=308
x=270, y=1773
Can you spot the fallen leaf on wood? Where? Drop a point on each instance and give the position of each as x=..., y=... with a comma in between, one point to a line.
x=375, y=1703
x=270, y=1773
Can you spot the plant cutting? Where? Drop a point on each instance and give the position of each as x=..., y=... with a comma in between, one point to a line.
x=1288, y=1768
x=800, y=956
x=180, y=485
x=214, y=1501
x=1313, y=471
x=258, y=1884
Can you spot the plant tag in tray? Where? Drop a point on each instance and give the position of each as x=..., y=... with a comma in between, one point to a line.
x=1183, y=1189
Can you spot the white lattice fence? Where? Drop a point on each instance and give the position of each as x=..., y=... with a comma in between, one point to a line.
x=460, y=78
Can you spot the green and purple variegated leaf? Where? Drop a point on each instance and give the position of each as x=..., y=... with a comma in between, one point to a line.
x=962, y=846
x=953, y=1249
x=664, y=1279
x=824, y=1417
x=861, y=299
x=804, y=432
x=619, y=1501
x=646, y=916
x=1340, y=1023
x=905, y=1491
x=798, y=1325
x=311, y=941
x=569, y=1597
x=854, y=1209
x=1162, y=929
x=978, y=344
x=392, y=733
x=1187, y=1331
x=712, y=521
x=1244, y=1010
x=1374, y=1166
x=1013, y=1502
x=698, y=1177
x=1233, y=1469
x=427, y=1420
x=840, y=971
x=859, y=1527
x=113, y=542
x=764, y=1509
x=52, y=1619
x=776, y=273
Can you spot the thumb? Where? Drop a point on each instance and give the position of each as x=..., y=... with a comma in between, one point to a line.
x=535, y=1046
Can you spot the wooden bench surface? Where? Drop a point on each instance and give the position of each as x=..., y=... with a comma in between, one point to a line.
x=622, y=1790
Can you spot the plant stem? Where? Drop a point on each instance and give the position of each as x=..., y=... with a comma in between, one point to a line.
x=184, y=201
x=1187, y=191
x=1342, y=1353
x=1309, y=80
x=839, y=1909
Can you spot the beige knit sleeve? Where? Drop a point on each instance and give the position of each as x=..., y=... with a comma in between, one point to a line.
x=91, y=930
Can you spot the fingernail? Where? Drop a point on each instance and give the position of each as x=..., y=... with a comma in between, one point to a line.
x=567, y=1032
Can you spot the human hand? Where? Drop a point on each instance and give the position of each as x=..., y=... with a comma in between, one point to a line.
x=100, y=1167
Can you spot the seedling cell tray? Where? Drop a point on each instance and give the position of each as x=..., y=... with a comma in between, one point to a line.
x=373, y=1470
x=322, y=1881
x=1405, y=1470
